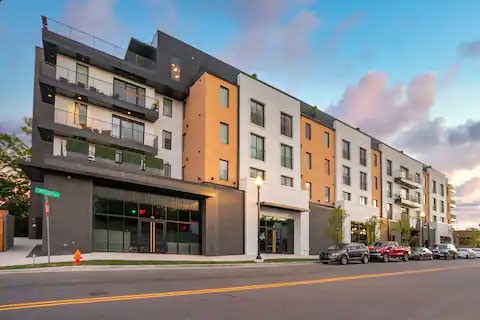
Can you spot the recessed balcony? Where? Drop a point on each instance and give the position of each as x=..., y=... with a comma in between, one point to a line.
x=408, y=180
x=408, y=201
x=118, y=96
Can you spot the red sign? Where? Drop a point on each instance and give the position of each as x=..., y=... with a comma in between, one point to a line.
x=47, y=208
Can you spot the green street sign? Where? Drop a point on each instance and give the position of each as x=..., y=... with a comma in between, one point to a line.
x=48, y=193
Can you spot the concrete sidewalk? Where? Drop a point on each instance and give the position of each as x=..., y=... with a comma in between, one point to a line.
x=23, y=246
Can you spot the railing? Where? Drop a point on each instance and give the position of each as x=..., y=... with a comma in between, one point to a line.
x=104, y=127
x=408, y=176
x=453, y=201
x=104, y=87
x=95, y=42
x=409, y=197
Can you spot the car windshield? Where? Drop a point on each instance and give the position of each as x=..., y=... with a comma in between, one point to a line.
x=462, y=249
x=442, y=246
x=379, y=244
x=338, y=246
x=418, y=249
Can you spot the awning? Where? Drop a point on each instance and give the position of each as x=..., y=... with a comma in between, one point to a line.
x=282, y=206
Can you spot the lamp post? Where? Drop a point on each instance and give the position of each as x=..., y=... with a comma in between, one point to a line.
x=259, y=183
x=422, y=216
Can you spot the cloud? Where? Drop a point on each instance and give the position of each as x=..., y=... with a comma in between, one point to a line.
x=381, y=110
x=469, y=50
x=469, y=191
x=450, y=75
x=467, y=217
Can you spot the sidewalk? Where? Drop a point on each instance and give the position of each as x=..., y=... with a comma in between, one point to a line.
x=22, y=247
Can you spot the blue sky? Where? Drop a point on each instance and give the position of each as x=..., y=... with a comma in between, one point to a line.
x=418, y=62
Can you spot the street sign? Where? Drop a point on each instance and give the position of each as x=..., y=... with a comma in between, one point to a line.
x=46, y=192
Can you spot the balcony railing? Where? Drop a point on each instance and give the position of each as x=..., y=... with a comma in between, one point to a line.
x=104, y=87
x=408, y=197
x=105, y=128
x=408, y=179
x=95, y=42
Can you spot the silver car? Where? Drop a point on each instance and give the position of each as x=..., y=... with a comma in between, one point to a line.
x=477, y=252
x=466, y=253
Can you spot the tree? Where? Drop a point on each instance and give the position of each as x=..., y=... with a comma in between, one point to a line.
x=254, y=76
x=14, y=184
x=372, y=231
x=404, y=228
x=335, y=224
x=474, y=238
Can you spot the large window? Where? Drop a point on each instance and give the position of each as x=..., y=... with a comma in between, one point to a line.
x=257, y=173
x=257, y=147
x=128, y=92
x=175, y=68
x=167, y=107
x=167, y=140
x=363, y=180
x=257, y=113
x=327, y=195
x=363, y=157
x=327, y=167
x=82, y=75
x=442, y=206
x=80, y=113
x=346, y=175
x=442, y=191
x=347, y=196
x=223, y=133
x=346, y=149
x=127, y=129
x=326, y=139
x=434, y=187
x=375, y=160
x=375, y=182
x=363, y=200
x=390, y=211
x=286, y=181
x=389, y=167
x=223, y=97
x=286, y=124
x=308, y=188
x=308, y=160
x=308, y=131
x=434, y=201
x=286, y=156
x=389, y=189
x=223, y=170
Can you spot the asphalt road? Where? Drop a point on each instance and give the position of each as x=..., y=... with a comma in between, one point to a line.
x=396, y=290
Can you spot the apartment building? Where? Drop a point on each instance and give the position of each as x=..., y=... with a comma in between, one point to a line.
x=440, y=229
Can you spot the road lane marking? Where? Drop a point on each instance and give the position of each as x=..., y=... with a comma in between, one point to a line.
x=53, y=303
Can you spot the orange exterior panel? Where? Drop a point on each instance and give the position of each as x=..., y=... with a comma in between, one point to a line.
x=203, y=149
x=319, y=175
x=377, y=174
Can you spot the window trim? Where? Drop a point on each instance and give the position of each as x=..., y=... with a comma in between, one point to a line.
x=76, y=119
x=286, y=178
x=220, y=170
x=389, y=168
x=284, y=146
x=363, y=160
x=363, y=183
x=308, y=131
x=308, y=160
x=164, y=132
x=225, y=125
x=138, y=97
x=120, y=126
x=257, y=103
x=284, y=117
x=257, y=170
x=326, y=135
x=256, y=149
x=224, y=89
x=349, y=175
x=347, y=155
x=171, y=107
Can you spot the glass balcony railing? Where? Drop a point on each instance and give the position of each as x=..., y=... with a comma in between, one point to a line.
x=120, y=90
x=123, y=132
x=408, y=197
x=95, y=42
x=405, y=175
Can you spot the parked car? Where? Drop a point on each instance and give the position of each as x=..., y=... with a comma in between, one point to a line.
x=345, y=253
x=421, y=253
x=477, y=252
x=466, y=253
x=445, y=250
x=388, y=250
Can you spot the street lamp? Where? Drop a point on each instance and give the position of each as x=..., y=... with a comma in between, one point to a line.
x=422, y=215
x=259, y=183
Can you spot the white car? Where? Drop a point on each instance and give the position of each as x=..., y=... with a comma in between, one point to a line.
x=477, y=252
x=466, y=253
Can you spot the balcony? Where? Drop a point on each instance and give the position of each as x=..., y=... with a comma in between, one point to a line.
x=453, y=203
x=453, y=217
x=99, y=131
x=96, y=91
x=408, y=180
x=408, y=201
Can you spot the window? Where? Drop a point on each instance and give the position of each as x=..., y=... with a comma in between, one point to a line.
x=167, y=170
x=167, y=107
x=257, y=173
x=389, y=189
x=363, y=157
x=434, y=187
x=442, y=219
x=375, y=160
x=167, y=140
x=287, y=181
x=327, y=195
x=425, y=198
x=63, y=147
x=417, y=178
x=257, y=113
x=442, y=192
x=390, y=211
x=82, y=75
x=326, y=139
x=128, y=92
x=118, y=156
x=363, y=200
x=347, y=196
x=286, y=156
x=286, y=124
x=224, y=170
x=175, y=69
x=375, y=182
x=435, y=218
x=327, y=167
x=308, y=131
x=442, y=206
x=80, y=113
x=223, y=97
x=363, y=180
x=183, y=172
x=183, y=142
x=375, y=203
x=91, y=152
x=223, y=133
x=308, y=158
x=434, y=201
x=127, y=129
x=418, y=197
x=308, y=187
x=346, y=175
x=389, y=167
x=257, y=147
x=346, y=149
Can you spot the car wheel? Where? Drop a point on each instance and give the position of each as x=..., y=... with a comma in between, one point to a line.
x=405, y=257
x=324, y=262
x=386, y=258
x=365, y=259
x=343, y=260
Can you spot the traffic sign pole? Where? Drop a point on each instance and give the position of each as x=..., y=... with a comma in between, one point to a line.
x=46, y=209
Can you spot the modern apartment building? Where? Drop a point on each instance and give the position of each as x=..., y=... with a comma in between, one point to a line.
x=157, y=147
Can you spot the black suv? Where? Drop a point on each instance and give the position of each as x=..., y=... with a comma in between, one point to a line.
x=346, y=252
x=445, y=250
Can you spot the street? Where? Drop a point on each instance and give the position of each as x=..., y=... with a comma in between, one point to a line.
x=397, y=290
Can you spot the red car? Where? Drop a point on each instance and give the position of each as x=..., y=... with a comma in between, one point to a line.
x=387, y=250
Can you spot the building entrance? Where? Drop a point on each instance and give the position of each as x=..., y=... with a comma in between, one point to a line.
x=276, y=235
x=152, y=237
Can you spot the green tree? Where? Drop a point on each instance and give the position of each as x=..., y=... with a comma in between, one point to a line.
x=372, y=225
x=14, y=184
x=404, y=228
x=254, y=76
x=335, y=224
x=474, y=238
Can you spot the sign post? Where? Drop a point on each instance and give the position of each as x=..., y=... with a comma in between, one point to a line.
x=46, y=209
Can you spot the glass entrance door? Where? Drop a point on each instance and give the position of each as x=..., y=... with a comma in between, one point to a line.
x=276, y=235
x=152, y=238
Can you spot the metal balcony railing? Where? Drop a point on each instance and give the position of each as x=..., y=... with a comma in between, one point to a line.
x=408, y=176
x=453, y=201
x=408, y=197
x=83, y=122
x=118, y=91
x=95, y=42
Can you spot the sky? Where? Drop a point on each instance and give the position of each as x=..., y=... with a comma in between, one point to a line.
x=407, y=72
